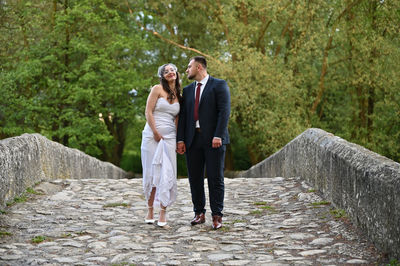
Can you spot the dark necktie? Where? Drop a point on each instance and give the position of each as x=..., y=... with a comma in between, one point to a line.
x=196, y=102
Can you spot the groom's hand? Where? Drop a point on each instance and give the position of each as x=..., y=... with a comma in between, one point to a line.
x=216, y=142
x=180, y=147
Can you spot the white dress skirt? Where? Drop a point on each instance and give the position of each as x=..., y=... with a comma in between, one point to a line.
x=159, y=158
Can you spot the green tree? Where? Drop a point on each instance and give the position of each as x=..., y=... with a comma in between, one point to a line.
x=233, y=36
x=295, y=64
x=70, y=80
x=290, y=65
x=360, y=97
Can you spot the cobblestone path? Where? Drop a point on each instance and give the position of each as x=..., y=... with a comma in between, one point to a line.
x=268, y=221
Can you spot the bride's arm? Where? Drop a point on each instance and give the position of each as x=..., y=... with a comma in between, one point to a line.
x=150, y=105
x=176, y=122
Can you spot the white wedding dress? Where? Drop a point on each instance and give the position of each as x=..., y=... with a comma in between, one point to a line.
x=159, y=158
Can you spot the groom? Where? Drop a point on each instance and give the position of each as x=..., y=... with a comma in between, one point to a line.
x=203, y=135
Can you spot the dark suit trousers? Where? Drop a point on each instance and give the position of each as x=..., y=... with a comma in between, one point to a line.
x=199, y=157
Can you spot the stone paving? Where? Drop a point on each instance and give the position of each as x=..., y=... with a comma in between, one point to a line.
x=268, y=221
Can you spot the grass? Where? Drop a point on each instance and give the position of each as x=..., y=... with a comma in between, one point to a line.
x=23, y=197
x=238, y=221
x=32, y=191
x=320, y=203
x=4, y=234
x=338, y=213
x=394, y=262
x=258, y=203
x=256, y=212
x=18, y=199
x=116, y=204
x=270, y=208
x=311, y=190
x=235, y=221
x=225, y=228
x=38, y=239
x=262, y=205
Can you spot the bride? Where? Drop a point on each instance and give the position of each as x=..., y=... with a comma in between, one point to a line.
x=159, y=143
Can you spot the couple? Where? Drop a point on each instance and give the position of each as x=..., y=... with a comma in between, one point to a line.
x=194, y=124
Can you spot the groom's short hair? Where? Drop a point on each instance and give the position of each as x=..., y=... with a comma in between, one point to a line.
x=201, y=60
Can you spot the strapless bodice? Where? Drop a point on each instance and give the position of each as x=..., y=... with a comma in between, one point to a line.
x=164, y=116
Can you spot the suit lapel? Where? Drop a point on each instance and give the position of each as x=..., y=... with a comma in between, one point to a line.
x=191, y=92
x=206, y=89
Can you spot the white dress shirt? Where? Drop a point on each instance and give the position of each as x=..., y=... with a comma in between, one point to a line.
x=203, y=85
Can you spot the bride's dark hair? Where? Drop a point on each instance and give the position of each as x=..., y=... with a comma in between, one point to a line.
x=165, y=85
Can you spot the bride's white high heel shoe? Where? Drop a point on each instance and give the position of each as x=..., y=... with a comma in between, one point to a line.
x=149, y=221
x=161, y=224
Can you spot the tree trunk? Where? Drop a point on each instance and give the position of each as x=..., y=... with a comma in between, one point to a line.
x=328, y=46
x=324, y=70
x=113, y=152
x=65, y=123
x=229, y=165
x=371, y=90
x=254, y=157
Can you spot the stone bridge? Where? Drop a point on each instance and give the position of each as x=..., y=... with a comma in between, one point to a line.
x=319, y=200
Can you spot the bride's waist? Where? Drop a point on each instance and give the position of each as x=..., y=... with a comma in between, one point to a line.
x=164, y=129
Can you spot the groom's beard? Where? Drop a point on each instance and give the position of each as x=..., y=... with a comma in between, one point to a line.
x=191, y=76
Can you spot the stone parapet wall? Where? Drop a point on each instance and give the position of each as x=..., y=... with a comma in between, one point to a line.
x=365, y=184
x=31, y=158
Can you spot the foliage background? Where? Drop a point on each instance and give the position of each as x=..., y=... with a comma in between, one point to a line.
x=79, y=72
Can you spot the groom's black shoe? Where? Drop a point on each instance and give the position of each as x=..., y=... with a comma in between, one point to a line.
x=198, y=219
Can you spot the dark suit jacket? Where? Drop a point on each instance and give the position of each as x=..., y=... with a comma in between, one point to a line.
x=214, y=111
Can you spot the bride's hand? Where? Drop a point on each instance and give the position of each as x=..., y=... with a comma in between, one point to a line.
x=157, y=136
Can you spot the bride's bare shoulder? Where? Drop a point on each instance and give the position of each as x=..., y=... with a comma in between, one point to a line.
x=156, y=87
x=156, y=90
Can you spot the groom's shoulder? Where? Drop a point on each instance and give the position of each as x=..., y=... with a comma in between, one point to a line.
x=217, y=81
x=188, y=86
